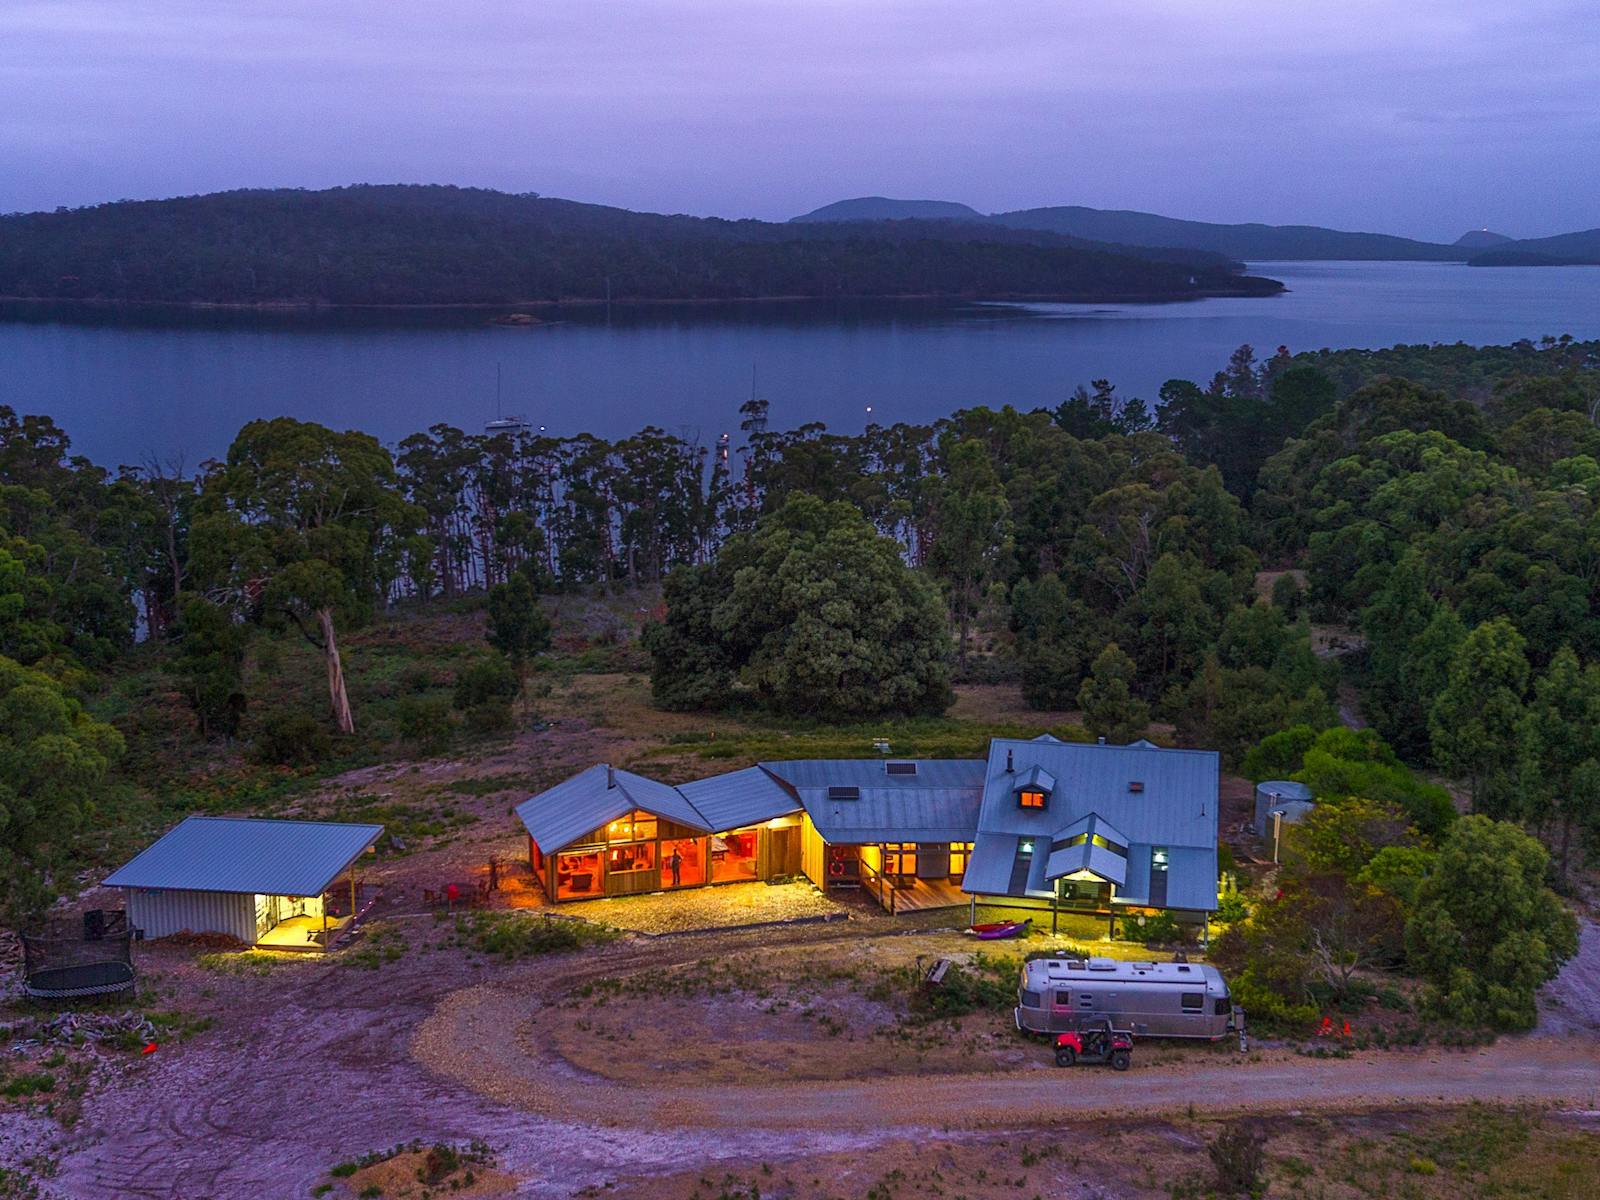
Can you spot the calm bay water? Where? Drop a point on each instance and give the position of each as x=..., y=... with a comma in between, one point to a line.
x=129, y=386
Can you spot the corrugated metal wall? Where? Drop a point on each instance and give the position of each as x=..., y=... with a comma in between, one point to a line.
x=163, y=913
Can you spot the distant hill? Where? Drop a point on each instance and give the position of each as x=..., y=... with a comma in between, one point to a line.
x=1479, y=239
x=881, y=208
x=434, y=245
x=1564, y=249
x=1126, y=229
x=1237, y=241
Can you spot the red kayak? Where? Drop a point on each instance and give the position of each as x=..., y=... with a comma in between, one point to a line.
x=994, y=930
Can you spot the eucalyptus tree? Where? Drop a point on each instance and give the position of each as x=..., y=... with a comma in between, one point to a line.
x=295, y=526
x=971, y=532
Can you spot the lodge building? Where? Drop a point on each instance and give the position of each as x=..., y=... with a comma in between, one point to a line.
x=1039, y=823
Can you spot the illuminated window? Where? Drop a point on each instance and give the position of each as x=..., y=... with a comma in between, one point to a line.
x=635, y=827
x=959, y=853
x=637, y=856
x=1031, y=799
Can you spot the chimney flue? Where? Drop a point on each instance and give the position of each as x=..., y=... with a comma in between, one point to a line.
x=611, y=777
x=1009, y=767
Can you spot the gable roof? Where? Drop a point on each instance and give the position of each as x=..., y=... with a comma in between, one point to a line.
x=740, y=798
x=558, y=816
x=241, y=854
x=1176, y=806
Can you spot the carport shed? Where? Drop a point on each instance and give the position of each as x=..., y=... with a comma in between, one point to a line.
x=260, y=881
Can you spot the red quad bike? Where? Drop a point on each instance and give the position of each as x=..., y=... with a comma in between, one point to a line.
x=1094, y=1041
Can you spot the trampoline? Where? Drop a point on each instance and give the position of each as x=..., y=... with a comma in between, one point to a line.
x=57, y=967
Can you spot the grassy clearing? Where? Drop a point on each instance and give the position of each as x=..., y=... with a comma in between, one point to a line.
x=1483, y=1152
x=246, y=962
x=381, y=943
x=513, y=935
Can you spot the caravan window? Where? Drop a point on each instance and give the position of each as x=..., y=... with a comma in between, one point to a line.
x=1193, y=1001
x=1222, y=1006
x=1030, y=999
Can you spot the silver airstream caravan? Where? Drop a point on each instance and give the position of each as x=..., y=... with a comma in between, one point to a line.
x=1177, y=1000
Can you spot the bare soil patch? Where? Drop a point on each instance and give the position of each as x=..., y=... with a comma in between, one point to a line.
x=782, y=1014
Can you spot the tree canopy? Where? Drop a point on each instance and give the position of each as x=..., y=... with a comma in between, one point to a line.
x=814, y=612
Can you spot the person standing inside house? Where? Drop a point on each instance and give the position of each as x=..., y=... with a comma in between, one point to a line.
x=676, y=865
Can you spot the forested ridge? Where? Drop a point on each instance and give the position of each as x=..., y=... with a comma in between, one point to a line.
x=426, y=245
x=1226, y=564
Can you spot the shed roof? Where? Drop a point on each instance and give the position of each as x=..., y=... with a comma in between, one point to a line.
x=240, y=854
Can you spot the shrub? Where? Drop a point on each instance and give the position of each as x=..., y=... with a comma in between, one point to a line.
x=484, y=692
x=425, y=721
x=989, y=984
x=1159, y=930
x=1237, y=1155
x=486, y=680
x=291, y=739
x=1267, y=1009
x=514, y=935
x=438, y=1164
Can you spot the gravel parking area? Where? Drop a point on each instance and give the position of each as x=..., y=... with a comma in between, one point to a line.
x=730, y=904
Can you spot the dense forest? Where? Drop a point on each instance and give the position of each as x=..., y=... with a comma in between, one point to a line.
x=1407, y=539
x=405, y=245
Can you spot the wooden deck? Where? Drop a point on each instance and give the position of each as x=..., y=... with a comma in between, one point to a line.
x=928, y=893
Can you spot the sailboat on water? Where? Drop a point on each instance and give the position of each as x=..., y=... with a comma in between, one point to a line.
x=503, y=423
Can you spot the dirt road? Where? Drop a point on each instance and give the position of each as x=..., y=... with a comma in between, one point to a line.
x=325, y=1063
x=481, y=1038
x=1570, y=1004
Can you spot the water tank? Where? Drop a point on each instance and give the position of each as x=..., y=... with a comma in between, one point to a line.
x=1294, y=798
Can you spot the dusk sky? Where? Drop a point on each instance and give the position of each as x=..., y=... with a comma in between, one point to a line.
x=1424, y=118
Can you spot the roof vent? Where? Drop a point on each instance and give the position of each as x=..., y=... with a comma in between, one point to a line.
x=1102, y=964
x=900, y=768
x=1100, y=741
x=1136, y=785
x=844, y=792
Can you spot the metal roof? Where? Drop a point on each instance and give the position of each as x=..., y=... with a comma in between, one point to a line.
x=1284, y=789
x=738, y=798
x=989, y=866
x=561, y=815
x=1086, y=856
x=660, y=798
x=1176, y=806
x=240, y=854
x=1093, y=824
x=893, y=814
x=1034, y=779
x=874, y=773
